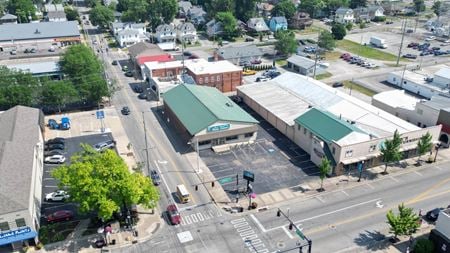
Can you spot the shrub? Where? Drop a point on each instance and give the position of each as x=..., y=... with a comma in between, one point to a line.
x=424, y=246
x=379, y=19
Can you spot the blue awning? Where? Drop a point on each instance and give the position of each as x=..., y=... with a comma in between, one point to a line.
x=17, y=235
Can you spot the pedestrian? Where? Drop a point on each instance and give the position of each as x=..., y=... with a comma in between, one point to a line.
x=407, y=249
x=411, y=240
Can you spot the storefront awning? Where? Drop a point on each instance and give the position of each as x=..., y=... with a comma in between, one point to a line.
x=18, y=235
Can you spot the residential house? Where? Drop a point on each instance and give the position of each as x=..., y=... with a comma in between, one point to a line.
x=197, y=15
x=391, y=7
x=165, y=33
x=128, y=34
x=183, y=8
x=8, y=19
x=264, y=9
x=117, y=16
x=213, y=28
x=55, y=13
x=143, y=52
x=304, y=66
x=300, y=20
x=238, y=54
x=187, y=33
x=257, y=25
x=344, y=15
x=278, y=23
x=368, y=13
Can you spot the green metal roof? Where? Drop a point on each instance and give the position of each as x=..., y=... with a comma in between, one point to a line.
x=325, y=125
x=197, y=107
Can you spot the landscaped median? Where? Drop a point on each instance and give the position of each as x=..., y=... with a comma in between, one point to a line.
x=365, y=51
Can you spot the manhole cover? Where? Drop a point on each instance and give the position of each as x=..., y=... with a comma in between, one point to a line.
x=281, y=244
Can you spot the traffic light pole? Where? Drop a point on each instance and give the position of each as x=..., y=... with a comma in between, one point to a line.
x=298, y=232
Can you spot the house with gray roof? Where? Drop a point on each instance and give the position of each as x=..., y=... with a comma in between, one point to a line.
x=197, y=15
x=8, y=19
x=21, y=170
x=238, y=54
x=368, y=13
x=303, y=65
x=183, y=8
x=187, y=33
x=54, y=13
x=257, y=25
x=344, y=15
x=128, y=34
x=214, y=28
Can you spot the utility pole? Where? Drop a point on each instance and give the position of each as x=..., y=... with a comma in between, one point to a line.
x=315, y=60
x=401, y=42
x=146, y=144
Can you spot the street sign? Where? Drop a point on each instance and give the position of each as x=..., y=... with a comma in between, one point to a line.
x=100, y=114
x=299, y=233
x=225, y=180
x=249, y=176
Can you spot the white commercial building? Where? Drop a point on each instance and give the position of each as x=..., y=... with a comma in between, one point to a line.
x=21, y=171
x=327, y=122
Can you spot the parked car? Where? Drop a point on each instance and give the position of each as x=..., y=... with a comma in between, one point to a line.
x=125, y=110
x=435, y=48
x=100, y=243
x=430, y=38
x=61, y=215
x=52, y=49
x=104, y=145
x=173, y=214
x=53, y=152
x=57, y=140
x=337, y=84
x=249, y=39
x=256, y=61
x=142, y=96
x=301, y=42
x=58, y=195
x=125, y=68
x=433, y=215
x=49, y=147
x=155, y=177
x=138, y=89
x=389, y=22
x=129, y=74
x=345, y=55
x=410, y=56
x=55, y=159
x=262, y=79
x=244, y=63
x=413, y=44
x=248, y=72
x=13, y=52
x=114, y=63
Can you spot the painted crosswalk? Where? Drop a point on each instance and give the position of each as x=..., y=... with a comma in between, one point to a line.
x=249, y=236
x=200, y=216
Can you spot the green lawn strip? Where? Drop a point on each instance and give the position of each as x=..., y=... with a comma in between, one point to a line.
x=56, y=232
x=323, y=76
x=365, y=51
x=359, y=88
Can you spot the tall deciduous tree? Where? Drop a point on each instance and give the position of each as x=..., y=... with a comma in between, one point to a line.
x=358, y=3
x=58, y=93
x=391, y=150
x=437, y=8
x=419, y=5
x=229, y=24
x=135, y=10
x=71, y=13
x=338, y=31
x=101, y=15
x=23, y=9
x=286, y=43
x=424, y=145
x=333, y=5
x=245, y=9
x=285, y=8
x=215, y=6
x=164, y=9
x=311, y=6
x=326, y=40
x=324, y=169
x=101, y=182
x=405, y=223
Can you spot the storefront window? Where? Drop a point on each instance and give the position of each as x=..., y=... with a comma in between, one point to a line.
x=20, y=222
x=201, y=143
x=230, y=138
x=4, y=226
x=248, y=135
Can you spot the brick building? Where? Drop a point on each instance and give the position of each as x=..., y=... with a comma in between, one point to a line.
x=222, y=75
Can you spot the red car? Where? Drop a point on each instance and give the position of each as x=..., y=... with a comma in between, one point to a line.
x=345, y=55
x=62, y=215
x=256, y=62
x=174, y=215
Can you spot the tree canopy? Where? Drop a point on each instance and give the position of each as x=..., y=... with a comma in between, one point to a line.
x=419, y=5
x=358, y=3
x=229, y=24
x=23, y=9
x=424, y=144
x=391, y=150
x=405, y=223
x=101, y=182
x=101, y=15
x=285, y=8
x=312, y=6
x=71, y=13
x=58, y=93
x=326, y=40
x=324, y=170
x=338, y=31
x=245, y=9
x=286, y=43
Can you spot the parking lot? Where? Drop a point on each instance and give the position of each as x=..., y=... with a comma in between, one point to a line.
x=276, y=162
x=49, y=184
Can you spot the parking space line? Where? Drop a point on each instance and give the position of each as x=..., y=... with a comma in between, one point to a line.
x=396, y=180
x=345, y=193
x=320, y=199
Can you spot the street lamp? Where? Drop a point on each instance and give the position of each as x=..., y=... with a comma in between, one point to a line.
x=360, y=169
x=438, y=146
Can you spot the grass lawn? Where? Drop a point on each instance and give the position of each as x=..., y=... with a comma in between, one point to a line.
x=359, y=88
x=281, y=62
x=309, y=30
x=332, y=56
x=365, y=51
x=323, y=76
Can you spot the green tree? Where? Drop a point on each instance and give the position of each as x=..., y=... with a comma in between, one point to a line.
x=405, y=223
x=423, y=246
x=326, y=40
x=213, y=7
x=424, y=145
x=358, y=3
x=23, y=9
x=17, y=88
x=312, y=6
x=285, y=8
x=101, y=15
x=165, y=10
x=286, y=43
x=245, y=9
x=71, y=13
x=333, y=5
x=419, y=5
x=324, y=170
x=101, y=182
x=338, y=31
x=229, y=24
x=13, y=95
x=58, y=93
x=437, y=8
x=136, y=10
x=391, y=150
x=92, y=3
x=349, y=26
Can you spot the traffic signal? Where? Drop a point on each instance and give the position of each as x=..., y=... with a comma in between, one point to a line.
x=212, y=184
x=278, y=213
x=291, y=226
x=196, y=187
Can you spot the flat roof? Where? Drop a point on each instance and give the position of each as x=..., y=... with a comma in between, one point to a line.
x=299, y=92
x=397, y=99
x=197, y=66
x=42, y=30
x=418, y=79
x=37, y=67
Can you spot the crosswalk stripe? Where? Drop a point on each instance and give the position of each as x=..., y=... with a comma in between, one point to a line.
x=194, y=218
x=188, y=220
x=239, y=230
x=237, y=221
x=200, y=217
x=241, y=224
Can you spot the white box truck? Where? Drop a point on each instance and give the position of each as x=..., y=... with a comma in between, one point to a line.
x=378, y=42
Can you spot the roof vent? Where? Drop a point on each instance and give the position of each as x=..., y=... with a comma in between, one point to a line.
x=352, y=122
x=229, y=104
x=37, y=31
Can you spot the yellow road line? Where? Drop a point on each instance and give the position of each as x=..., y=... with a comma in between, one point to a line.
x=418, y=197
